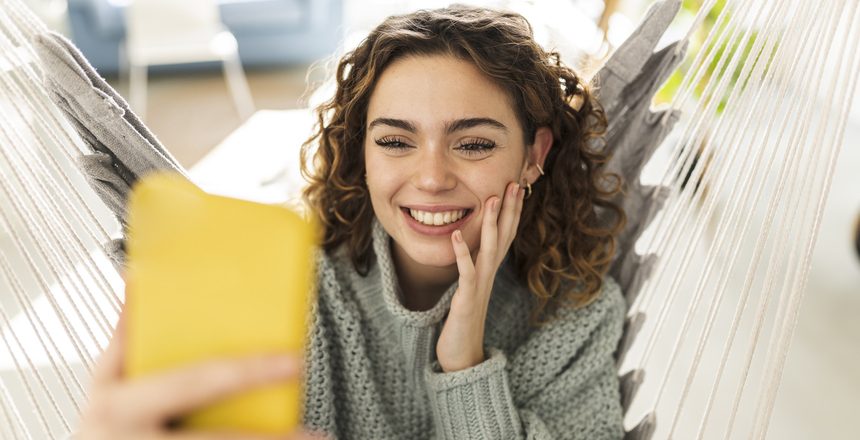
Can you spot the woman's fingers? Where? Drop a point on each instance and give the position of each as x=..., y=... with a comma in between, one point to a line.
x=464, y=260
x=489, y=237
x=519, y=197
x=166, y=396
x=509, y=217
x=499, y=226
x=140, y=408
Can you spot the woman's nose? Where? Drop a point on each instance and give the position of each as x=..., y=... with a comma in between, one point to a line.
x=433, y=172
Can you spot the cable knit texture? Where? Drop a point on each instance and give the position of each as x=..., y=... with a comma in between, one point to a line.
x=372, y=370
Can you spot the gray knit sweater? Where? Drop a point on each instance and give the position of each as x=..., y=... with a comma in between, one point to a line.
x=371, y=370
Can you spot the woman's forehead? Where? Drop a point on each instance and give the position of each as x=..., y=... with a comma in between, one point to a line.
x=431, y=91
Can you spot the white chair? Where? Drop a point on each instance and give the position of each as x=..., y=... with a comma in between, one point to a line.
x=160, y=32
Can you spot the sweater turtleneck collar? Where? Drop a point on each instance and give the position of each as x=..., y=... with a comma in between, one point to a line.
x=391, y=288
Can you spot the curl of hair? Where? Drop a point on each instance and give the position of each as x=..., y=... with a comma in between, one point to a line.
x=562, y=249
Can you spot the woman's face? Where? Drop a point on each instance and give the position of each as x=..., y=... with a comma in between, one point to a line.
x=441, y=138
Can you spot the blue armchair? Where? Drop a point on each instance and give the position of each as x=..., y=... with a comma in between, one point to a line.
x=269, y=32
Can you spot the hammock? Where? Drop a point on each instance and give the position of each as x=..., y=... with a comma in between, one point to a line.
x=725, y=190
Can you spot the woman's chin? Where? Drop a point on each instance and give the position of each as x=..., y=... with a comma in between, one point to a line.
x=433, y=256
x=440, y=261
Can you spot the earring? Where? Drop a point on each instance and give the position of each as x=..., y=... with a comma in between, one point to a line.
x=539, y=169
x=528, y=189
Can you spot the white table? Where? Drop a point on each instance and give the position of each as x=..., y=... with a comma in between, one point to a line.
x=259, y=161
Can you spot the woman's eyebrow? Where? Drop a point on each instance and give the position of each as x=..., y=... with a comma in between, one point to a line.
x=450, y=126
x=462, y=124
x=391, y=122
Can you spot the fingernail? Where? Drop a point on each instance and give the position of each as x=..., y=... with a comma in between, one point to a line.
x=496, y=205
x=458, y=236
x=515, y=190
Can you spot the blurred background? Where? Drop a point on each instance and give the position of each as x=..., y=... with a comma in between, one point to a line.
x=226, y=86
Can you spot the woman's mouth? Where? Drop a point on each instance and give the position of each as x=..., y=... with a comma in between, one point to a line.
x=437, y=221
x=438, y=218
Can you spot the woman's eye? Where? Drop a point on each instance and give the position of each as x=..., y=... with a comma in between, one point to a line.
x=389, y=143
x=477, y=147
x=471, y=147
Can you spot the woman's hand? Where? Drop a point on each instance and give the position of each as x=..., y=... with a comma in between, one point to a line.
x=142, y=409
x=461, y=342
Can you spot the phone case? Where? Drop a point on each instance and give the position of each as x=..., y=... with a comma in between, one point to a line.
x=215, y=277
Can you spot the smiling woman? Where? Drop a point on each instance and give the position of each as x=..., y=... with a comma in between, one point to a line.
x=440, y=89
x=442, y=122
x=462, y=294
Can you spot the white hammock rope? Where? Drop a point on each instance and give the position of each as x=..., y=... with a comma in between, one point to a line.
x=71, y=272
x=84, y=357
x=81, y=289
x=693, y=136
x=32, y=367
x=667, y=241
x=11, y=89
x=787, y=229
x=731, y=221
x=776, y=356
x=30, y=80
x=15, y=422
x=47, y=234
x=682, y=211
x=41, y=332
x=707, y=55
x=699, y=19
x=70, y=143
x=718, y=242
x=41, y=240
x=70, y=240
x=764, y=300
x=687, y=194
x=33, y=318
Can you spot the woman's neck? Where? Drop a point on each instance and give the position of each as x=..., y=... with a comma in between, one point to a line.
x=422, y=285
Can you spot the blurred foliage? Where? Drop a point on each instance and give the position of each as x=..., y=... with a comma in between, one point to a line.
x=697, y=41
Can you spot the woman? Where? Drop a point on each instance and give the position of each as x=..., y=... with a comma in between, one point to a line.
x=461, y=288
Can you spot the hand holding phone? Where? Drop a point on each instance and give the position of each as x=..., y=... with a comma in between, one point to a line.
x=214, y=278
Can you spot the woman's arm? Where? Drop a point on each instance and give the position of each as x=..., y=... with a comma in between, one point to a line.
x=572, y=386
x=560, y=384
x=461, y=342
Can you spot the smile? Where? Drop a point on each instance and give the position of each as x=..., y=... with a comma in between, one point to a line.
x=439, y=218
x=436, y=220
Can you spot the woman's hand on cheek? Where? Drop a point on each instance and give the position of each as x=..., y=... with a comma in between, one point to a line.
x=461, y=343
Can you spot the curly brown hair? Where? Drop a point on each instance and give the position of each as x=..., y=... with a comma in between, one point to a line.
x=562, y=250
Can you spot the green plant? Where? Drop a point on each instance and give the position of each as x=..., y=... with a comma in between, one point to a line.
x=697, y=43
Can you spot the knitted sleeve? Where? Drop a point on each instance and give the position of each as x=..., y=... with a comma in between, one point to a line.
x=560, y=384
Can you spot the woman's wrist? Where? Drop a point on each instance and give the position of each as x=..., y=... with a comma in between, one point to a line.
x=468, y=360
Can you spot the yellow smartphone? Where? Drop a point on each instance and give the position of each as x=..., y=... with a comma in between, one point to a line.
x=216, y=277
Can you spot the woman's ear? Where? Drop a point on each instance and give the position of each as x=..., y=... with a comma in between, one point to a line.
x=537, y=154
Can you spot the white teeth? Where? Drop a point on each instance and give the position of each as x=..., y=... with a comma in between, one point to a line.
x=437, y=218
